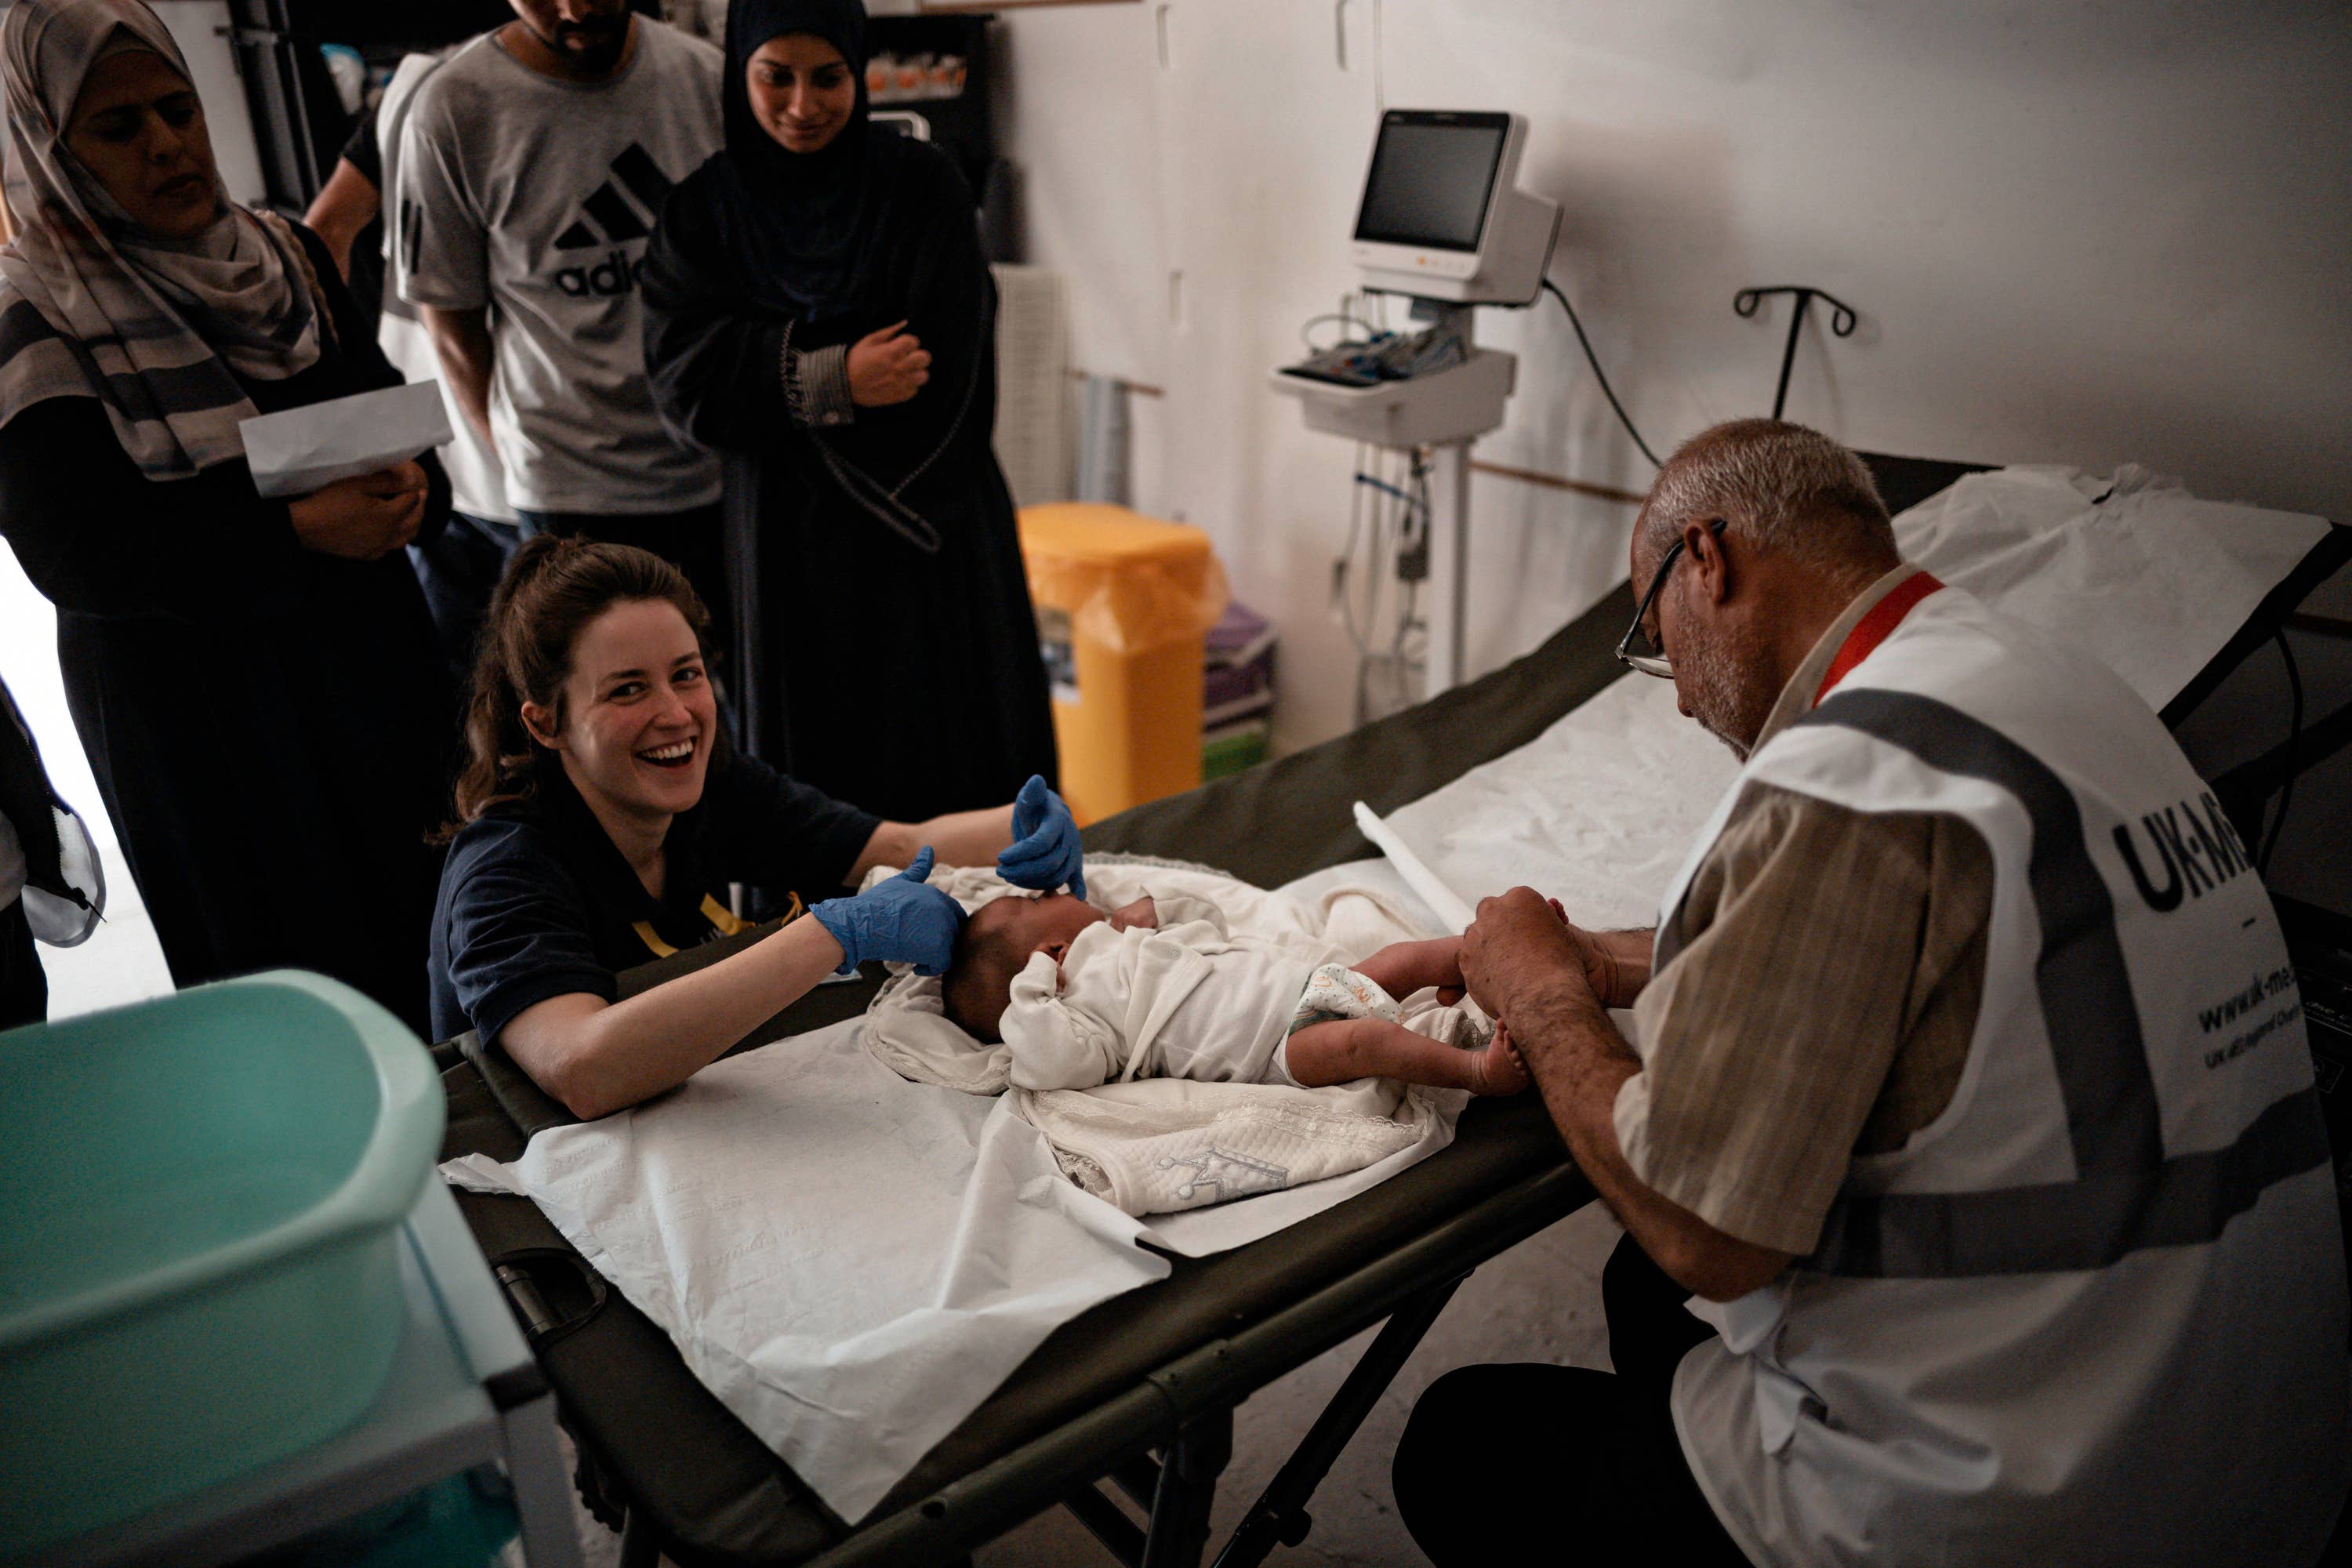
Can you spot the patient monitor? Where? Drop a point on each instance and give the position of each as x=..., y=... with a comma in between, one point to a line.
x=1442, y=220
x=1442, y=217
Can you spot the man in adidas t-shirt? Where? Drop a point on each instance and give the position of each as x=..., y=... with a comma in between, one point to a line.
x=531, y=171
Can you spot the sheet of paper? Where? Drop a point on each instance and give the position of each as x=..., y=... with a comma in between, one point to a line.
x=295, y=452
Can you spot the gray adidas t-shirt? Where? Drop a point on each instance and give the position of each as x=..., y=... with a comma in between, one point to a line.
x=536, y=196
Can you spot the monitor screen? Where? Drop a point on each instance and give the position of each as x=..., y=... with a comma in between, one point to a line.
x=1432, y=177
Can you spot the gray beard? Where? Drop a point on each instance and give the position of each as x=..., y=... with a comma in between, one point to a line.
x=1723, y=696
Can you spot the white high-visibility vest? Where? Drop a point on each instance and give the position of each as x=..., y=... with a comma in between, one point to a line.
x=2096, y=1311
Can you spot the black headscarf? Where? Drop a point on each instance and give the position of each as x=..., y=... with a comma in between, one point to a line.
x=801, y=222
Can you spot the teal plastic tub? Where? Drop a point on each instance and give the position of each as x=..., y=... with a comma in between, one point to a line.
x=200, y=1204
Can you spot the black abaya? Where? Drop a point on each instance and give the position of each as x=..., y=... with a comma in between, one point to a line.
x=269, y=726
x=904, y=680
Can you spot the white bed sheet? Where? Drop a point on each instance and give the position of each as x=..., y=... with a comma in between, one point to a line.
x=1599, y=811
x=2150, y=579
x=849, y=1261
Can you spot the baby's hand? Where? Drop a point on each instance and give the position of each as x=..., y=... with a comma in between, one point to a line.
x=1140, y=915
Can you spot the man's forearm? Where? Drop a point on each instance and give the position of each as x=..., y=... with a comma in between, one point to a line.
x=461, y=339
x=346, y=205
x=1580, y=1061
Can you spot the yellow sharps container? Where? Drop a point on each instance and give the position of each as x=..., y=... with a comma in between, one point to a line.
x=1123, y=604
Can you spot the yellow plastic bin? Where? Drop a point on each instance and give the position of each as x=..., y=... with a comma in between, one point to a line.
x=1123, y=604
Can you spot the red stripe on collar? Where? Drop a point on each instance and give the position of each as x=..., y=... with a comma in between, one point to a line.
x=1874, y=627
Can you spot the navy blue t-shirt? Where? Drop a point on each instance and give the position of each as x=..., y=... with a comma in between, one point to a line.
x=537, y=900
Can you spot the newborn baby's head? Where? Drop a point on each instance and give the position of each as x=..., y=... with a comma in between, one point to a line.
x=996, y=945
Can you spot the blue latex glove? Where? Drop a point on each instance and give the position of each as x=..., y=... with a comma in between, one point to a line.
x=902, y=920
x=1044, y=851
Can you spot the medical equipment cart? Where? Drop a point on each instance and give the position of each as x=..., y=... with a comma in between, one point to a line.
x=464, y=1392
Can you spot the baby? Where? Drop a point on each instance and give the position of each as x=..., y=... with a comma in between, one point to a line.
x=1084, y=998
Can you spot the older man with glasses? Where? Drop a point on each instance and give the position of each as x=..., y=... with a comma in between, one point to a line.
x=2015, y=1230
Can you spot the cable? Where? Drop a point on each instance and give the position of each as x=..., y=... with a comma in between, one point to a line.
x=1346, y=560
x=1376, y=555
x=1389, y=510
x=1346, y=319
x=1413, y=542
x=1392, y=492
x=1601, y=375
x=2293, y=749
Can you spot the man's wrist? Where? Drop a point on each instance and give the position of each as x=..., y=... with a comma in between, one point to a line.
x=1625, y=964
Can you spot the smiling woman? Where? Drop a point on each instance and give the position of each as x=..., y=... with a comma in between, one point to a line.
x=801, y=90
x=253, y=679
x=818, y=312
x=603, y=816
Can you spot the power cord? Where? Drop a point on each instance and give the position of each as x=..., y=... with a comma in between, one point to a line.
x=1387, y=516
x=1601, y=375
x=2294, y=750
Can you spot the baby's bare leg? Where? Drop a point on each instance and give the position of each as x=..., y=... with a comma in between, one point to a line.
x=1340, y=1050
x=1402, y=968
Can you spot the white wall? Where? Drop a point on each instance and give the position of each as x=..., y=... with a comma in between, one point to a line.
x=201, y=29
x=2077, y=232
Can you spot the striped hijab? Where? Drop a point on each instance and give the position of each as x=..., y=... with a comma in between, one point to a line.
x=91, y=306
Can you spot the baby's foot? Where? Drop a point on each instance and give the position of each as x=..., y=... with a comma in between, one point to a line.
x=1498, y=1069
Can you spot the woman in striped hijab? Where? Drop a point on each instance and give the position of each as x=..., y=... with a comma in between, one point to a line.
x=253, y=679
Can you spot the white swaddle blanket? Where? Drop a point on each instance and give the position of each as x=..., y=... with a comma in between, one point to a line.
x=1160, y=1145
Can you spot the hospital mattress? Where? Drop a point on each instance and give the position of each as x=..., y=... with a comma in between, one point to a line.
x=659, y=1444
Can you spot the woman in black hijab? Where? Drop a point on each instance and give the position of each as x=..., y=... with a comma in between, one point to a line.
x=818, y=310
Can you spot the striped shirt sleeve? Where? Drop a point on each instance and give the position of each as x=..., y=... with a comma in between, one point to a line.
x=1827, y=968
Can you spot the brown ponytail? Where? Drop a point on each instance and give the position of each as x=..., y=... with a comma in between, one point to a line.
x=551, y=590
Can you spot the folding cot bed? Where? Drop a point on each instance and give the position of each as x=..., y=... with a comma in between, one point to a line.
x=1138, y=1393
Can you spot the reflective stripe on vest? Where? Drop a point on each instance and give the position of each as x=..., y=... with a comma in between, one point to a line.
x=2126, y=1195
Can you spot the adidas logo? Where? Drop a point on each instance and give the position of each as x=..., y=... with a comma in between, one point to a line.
x=636, y=172
x=611, y=220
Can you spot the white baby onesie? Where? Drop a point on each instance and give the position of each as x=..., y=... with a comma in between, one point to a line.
x=1187, y=1000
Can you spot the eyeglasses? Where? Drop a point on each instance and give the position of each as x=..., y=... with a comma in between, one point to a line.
x=1636, y=648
